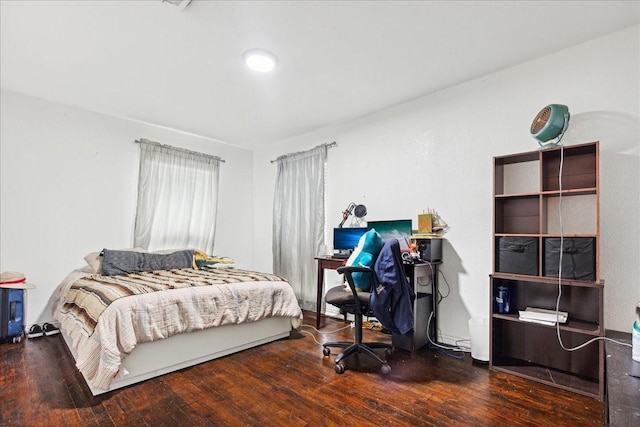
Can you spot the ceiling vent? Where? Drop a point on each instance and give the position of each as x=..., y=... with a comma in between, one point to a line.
x=182, y=4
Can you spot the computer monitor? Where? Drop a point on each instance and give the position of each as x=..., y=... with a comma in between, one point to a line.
x=399, y=229
x=345, y=239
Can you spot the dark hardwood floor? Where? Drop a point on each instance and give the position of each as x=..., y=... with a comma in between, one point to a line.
x=285, y=383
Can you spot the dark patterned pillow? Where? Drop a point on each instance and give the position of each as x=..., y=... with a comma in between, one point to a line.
x=115, y=263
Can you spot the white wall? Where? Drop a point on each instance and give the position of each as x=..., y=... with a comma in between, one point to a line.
x=68, y=176
x=69, y=184
x=436, y=152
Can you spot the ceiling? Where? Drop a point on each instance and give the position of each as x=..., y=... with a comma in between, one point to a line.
x=154, y=62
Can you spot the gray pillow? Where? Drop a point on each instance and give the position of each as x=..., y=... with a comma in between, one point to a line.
x=115, y=263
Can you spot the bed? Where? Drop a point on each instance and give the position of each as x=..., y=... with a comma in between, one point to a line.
x=135, y=325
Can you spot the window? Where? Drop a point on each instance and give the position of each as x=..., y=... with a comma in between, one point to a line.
x=177, y=198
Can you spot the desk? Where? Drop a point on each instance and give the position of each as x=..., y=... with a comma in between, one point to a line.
x=324, y=263
x=414, y=272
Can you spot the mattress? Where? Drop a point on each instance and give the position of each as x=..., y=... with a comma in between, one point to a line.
x=127, y=321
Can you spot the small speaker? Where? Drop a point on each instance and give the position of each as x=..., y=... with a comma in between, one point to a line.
x=430, y=249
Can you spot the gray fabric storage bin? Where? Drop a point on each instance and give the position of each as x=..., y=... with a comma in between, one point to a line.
x=578, y=258
x=518, y=255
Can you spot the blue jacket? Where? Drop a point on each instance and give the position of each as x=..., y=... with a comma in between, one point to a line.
x=391, y=296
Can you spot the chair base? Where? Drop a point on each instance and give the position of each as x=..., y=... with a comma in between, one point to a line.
x=355, y=348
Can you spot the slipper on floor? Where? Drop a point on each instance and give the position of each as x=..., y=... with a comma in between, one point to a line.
x=35, y=331
x=49, y=329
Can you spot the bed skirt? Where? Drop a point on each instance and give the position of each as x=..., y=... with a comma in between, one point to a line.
x=152, y=359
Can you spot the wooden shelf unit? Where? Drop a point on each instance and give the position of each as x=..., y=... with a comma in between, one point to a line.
x=528, y=197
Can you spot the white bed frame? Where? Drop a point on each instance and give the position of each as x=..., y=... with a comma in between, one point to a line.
x=152, y=359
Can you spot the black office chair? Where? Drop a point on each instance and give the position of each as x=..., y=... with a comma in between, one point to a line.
x=358, y=304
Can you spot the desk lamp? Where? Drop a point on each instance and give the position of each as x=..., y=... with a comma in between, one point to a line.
x=360, y=212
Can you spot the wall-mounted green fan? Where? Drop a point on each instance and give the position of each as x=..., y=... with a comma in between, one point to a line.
x=550, y=124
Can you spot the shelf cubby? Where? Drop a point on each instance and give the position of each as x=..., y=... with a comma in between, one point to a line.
x=518, y=214
x=579, y=168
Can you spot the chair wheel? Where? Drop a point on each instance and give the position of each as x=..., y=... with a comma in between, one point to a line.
x=385, y=369
x=326, y=351
x=339, y=368
x=387, y=351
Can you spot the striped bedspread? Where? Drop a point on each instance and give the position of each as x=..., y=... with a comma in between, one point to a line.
x=159, y=305
x=90, y=296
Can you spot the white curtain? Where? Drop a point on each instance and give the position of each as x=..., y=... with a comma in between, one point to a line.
x=177, y=198
x=298, y=220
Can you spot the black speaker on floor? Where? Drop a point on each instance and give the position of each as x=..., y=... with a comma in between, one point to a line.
x=419, y=338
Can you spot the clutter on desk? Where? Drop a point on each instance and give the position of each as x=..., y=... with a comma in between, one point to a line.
x=430, y=224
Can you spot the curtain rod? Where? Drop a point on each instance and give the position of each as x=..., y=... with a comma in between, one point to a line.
x=184, y=150
x=329, y=145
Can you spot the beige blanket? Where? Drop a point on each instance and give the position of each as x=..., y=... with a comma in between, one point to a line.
x=89, y=296
x=157, y=315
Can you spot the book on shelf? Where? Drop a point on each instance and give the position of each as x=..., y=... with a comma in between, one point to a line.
x=544, y=316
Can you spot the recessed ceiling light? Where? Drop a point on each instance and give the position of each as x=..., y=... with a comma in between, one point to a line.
x=182, y=4
x=260, y=60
